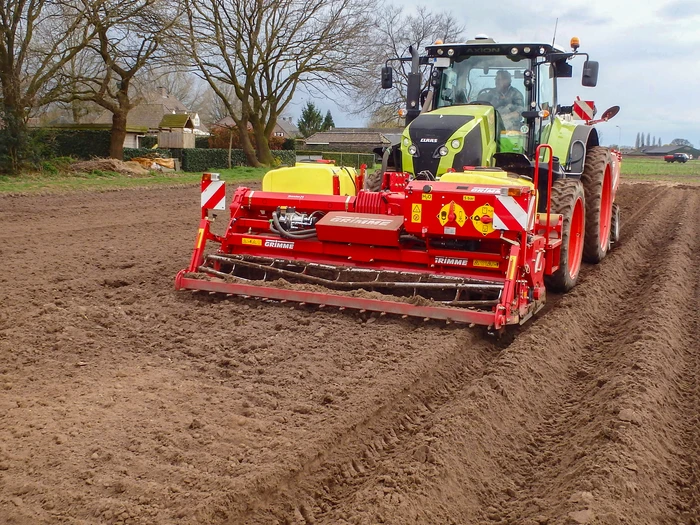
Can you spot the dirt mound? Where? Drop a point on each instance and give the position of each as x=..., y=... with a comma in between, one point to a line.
x=125, y=402
x=118, y=166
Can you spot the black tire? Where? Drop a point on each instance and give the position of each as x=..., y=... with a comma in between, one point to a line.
x=596, y=243
x=565, y=194
x=615, y=225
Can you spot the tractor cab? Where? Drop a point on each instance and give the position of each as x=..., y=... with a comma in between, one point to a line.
x=490, y=104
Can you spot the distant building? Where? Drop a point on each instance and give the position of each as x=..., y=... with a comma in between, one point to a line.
x=284, y=127
x=660, y=151
x=149, y=114
x=358, y=140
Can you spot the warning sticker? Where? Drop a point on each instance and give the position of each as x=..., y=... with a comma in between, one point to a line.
x=483, y=219
x=416, y=212
x=252, y=242
x=452, y=212
x=485, y=264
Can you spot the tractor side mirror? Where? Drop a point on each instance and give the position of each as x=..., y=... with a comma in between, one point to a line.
x=590, y=74
x=387, y=77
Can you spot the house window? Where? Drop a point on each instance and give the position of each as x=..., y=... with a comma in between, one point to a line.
x=279, y=134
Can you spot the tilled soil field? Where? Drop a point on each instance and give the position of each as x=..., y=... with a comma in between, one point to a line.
x=125, y=402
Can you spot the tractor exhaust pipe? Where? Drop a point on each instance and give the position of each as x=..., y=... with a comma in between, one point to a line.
x=414, y=86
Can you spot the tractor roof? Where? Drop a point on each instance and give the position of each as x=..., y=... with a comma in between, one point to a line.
x=487, y=46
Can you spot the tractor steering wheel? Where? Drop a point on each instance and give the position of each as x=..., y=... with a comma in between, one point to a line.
x=484, y=94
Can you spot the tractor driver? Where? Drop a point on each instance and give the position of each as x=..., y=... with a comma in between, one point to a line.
x=507, y=100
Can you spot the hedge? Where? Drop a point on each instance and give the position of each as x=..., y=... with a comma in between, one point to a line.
x=78, y=143
x=201, y=142
x=343, y=159
x=200, y=159
x=148, y=141
x=130, y=153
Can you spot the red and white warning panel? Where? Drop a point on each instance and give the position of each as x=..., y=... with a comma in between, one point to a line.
x=213, y=192
x=584, y=109
x=510, y=213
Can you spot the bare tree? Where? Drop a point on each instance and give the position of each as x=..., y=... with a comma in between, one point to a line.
x=128, y=38
x=37, y=38
x=395, y=32
x=267, y=49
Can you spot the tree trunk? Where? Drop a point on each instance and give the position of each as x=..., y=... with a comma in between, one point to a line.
x=247, y=146
x=14, y=138
x=116, y=141
x=263, y=145
x=230, y=146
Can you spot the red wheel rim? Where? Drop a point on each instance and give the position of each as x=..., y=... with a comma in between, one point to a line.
x=576, y=239
x=605, y=211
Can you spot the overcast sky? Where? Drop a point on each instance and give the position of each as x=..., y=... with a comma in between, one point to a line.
x=649, y=57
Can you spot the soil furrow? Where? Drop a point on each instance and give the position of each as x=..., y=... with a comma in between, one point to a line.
x=608, y=361
x=122, y=401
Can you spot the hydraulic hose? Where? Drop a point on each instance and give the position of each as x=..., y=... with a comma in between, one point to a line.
x=277, y=228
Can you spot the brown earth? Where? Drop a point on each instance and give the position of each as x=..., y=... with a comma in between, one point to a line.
x=123, y=401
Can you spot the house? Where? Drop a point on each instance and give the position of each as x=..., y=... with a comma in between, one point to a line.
x=176, y=131
x=149, y=114
x=284, y=127
x=660, y=151
x=358, y=140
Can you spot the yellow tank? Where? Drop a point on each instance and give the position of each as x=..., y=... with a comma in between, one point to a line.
x=311, y=178
x=492, y=176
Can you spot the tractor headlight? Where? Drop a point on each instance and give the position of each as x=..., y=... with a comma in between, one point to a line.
x=455, y=143
x=443, y=151
x=406, y=141
x=412, y=150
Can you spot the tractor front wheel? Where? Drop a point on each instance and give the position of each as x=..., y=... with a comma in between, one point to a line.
x=597, y=184
x=568, y=198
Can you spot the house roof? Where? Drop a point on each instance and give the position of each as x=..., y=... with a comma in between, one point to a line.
x=289, y=128
x=342, y=136
x=150, y=112
x=672, y=148
x=177, y=120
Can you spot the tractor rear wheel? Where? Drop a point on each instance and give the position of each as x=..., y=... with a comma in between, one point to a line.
x=568, y=198
x=597, y=184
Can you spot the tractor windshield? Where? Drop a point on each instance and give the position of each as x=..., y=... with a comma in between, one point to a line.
x=496, y=80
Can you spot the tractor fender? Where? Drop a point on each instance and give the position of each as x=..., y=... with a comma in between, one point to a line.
x=583, y=138
x=570, y=142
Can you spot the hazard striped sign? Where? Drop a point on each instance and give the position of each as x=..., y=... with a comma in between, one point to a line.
x=510, y=213
x=214, y=194
x=584, y=109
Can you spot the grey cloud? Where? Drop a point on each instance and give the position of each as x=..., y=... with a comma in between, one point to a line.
x=680, y=9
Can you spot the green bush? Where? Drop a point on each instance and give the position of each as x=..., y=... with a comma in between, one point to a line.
x=201, y=142
x=289, y=144
x=132, y=153
x=200, y=159
x=148, y=141
x=78, y=143
x=354, y=160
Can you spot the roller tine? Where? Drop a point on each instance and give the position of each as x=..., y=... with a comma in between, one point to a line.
x=321, y=306
x=426, y=319
x=382, y=314
x=472, y=325
x=363, y=311
x=302, y=304
x=341, y=308
x=404, y=317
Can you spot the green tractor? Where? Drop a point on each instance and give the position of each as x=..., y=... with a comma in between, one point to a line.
x=487, y=107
